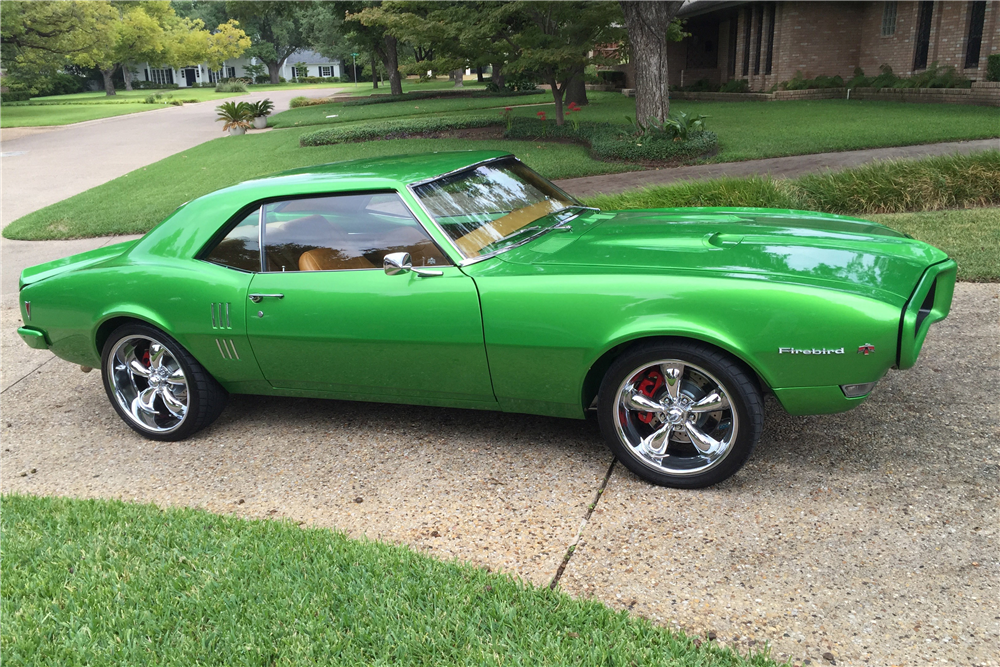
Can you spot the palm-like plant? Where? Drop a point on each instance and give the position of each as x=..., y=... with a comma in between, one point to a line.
x=262, y=108
x=235, y=115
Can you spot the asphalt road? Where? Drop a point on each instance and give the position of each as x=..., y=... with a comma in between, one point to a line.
x=870, y=536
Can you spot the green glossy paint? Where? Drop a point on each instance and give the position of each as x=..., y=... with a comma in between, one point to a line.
x=791, y=294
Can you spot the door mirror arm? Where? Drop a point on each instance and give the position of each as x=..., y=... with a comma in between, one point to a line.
x=396, y=263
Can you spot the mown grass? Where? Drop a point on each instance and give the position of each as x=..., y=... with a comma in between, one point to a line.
x=971, y=237
x=746, y=130
x=64, y=114
x=364, y=88
x=104, y=582
x=99, y=97
x=135, y=202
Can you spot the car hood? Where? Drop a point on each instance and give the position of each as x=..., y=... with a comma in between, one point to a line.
x=768, y=244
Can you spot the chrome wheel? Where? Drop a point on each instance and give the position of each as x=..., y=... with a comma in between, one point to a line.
x=148, y=383
x=675, y=417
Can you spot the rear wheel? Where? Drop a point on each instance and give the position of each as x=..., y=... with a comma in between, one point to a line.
x=156, y=387
x=680, y=414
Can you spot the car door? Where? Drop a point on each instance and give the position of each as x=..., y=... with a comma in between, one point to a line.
x=324, y=315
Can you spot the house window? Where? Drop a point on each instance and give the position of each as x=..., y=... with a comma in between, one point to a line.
x=771, y=8
x=977, y=16
x=925, y=16
x=888, y=19
x=759, y=14
x=324, y=71
x=161, y=75
x=214, y=75
x=295, y=73
x=746, y=40
x=231, y=72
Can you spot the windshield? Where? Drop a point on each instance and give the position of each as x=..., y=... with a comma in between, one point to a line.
x=492, y=206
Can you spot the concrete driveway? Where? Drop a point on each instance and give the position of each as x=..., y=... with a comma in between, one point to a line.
x=868, y=537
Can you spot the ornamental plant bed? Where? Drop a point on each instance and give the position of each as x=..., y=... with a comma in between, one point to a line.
x=606, y=142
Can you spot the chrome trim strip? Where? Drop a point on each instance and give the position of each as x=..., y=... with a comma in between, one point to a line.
x=260, y=238
x=219, y=345
x=461, y=169
x=233, y=345
x=213, y=316
x=229, y=323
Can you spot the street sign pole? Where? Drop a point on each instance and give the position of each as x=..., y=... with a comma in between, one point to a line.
x=355, y=56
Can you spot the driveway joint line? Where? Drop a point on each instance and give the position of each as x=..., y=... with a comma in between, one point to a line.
x=583, y=526
x=4, y=390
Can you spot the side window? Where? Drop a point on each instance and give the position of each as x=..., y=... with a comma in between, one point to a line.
x=343, y=232
x=240, y=249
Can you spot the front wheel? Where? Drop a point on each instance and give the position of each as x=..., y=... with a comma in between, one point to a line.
x=156, y=386
x=680, y=414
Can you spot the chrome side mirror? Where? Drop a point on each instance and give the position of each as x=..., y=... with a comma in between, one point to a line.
x=396, y=263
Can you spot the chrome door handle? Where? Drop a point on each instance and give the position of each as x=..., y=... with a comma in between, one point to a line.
x=256, y=298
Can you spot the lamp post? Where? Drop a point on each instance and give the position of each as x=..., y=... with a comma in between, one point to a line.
x=355, y=56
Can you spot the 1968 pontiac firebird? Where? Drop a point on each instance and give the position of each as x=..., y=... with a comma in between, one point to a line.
x=467, y=280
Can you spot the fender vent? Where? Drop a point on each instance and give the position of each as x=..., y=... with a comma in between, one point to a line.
x=220, y=316
x=227, y=348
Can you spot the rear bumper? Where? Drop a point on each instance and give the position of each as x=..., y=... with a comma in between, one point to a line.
x=33, y=337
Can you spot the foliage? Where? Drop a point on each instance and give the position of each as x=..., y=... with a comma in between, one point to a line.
x=699, y=86
x=798, y=82
x=15, y=96
x=612, y=77
x=735, y=86
x=234, y=86
x=275, y=29
x=437, y=94
x=932, y=77
x=303, y=101
x=235, y=115
x=262, y=107
x=993, y=67
x=395, y=129
x=522, y=81
x=255, y=71
x=678, y=126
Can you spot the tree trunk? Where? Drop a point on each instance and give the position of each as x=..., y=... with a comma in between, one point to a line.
x=273, y=70
x=374, y=71
x=647, y=24
x=109, y=85
x=497, y=76
x=458, y=76
x=576, y=90
x=127, y=75
x=391, y=62
x=479, y=74
x=557, y=97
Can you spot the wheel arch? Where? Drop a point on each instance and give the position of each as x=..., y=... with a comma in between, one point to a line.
x=598, y=368
x=111, y=321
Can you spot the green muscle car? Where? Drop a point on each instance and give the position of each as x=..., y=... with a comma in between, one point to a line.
x=467, y=280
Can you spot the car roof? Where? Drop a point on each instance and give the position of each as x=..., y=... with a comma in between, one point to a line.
x=406, y=169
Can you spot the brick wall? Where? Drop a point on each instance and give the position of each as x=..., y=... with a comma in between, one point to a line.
x=831, y=38
x=981, y=94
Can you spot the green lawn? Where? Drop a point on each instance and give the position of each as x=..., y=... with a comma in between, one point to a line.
x=64, y=114
x=364, y=88
x=145, y=196
x=200, y=94
x=93, y=582
x=971, y=237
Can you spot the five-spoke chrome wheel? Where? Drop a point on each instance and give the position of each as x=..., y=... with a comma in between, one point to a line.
x=156, y=386
x=148, y=383
x=684, y=414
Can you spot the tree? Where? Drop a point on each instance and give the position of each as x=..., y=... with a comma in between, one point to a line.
x=554, y=39
x=336, y=30
x=648, y=26
x=275, y=30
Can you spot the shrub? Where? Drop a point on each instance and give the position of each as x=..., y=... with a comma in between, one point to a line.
x=301, y=101
x=993, y=67
x=521, y=81
x=395, y=129
x=262, y=108
x=798, y=82
x=231, y=87
x=235, y=114
x=735, y=86
x=262, y=78
x=14, y=96
x=700, y=86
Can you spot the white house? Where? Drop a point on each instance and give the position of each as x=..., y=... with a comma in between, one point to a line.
x=185, y=77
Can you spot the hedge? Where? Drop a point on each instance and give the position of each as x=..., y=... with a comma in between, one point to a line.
x=606, y=141
x=435, y=94
x=993, y=67
x=14, y=96
x=394, y=129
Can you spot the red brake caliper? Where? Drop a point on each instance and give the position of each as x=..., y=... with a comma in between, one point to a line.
x=649, y=387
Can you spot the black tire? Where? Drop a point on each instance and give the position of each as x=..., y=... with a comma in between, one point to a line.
x=156, y=386
x=672, y=445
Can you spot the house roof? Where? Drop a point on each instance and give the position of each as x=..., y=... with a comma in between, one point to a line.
x=310, y=57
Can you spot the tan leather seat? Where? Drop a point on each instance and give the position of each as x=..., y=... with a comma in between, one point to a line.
x=332, y=259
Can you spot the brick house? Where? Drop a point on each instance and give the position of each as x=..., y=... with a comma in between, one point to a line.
x=768, y=42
